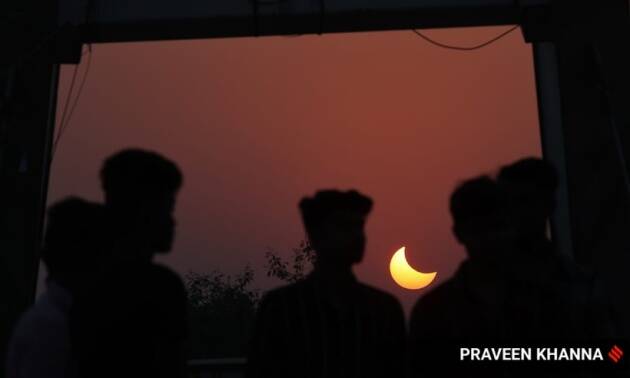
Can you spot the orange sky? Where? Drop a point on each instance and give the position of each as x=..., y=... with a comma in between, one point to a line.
x=256, y=123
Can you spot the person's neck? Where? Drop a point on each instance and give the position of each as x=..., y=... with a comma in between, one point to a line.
x=484, y=279
x=335, y=275
x=134, y=256
x=482, y=271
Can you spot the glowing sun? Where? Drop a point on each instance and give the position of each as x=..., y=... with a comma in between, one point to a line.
x=406, y=276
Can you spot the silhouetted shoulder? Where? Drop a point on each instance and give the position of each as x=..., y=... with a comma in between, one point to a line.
x=40, y=344
x=378, y=297
x=157, y=279
x=285, y=290
x=434, y=304
x=282, y=293
x=44, y=318
x=277, y=303
x=166, y=276
x=442, y=293
x=147, y=296
x=166, y=293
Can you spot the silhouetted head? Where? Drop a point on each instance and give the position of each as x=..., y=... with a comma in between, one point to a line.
x=140, y=189
x=74, y=241
x=530, y=185
x=477, y=208
x=335, y=224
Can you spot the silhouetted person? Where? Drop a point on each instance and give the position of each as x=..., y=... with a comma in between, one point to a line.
x=551, y=297
x=467, y=309
x=41, y=344
x=329, y=324
x=530, y=185
x=133, y=322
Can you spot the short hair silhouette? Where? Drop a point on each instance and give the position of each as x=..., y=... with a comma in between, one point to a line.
x=73, y=235
x=319, y=209
x=329, y=322
x=477, y=209
x=135, y=173
x=533, y=172
x=473, y=199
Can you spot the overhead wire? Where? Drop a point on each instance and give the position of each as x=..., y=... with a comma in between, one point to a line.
x=68, y=111
x=465, y=48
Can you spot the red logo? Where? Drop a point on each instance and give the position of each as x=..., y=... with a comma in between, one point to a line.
x=615, y=354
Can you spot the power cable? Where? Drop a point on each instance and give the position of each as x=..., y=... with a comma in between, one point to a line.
x=66, y=116
x=465, y=48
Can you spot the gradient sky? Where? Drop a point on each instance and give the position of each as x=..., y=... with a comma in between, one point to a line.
x=257, y=123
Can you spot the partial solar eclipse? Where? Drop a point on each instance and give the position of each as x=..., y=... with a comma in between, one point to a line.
x=406, y=276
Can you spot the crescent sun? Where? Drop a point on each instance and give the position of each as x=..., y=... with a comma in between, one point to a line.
x=406, y=276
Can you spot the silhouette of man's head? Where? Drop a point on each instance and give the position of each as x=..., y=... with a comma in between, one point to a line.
x=140, y=189
x=530, y=185
x=74, y=241
x=477, y=208
x=335, y=224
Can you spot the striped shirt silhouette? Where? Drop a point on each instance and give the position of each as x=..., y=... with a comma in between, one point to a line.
x=314, y=328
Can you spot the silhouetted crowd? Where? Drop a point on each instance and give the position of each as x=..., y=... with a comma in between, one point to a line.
x=110, y=311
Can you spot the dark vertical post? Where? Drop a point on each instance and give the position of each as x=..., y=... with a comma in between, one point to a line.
x=552, y=137
x=28, y=87
x=590, y=135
